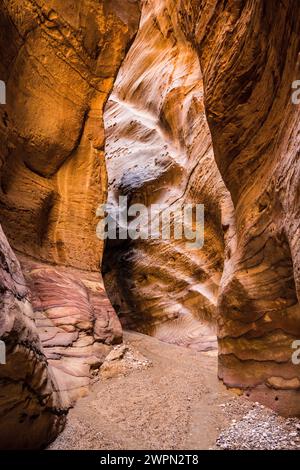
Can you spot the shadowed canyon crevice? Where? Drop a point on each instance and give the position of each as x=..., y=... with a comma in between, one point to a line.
x=191, y=103
x=158, y=149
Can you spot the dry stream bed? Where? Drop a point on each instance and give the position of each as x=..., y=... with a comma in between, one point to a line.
x=160, y=396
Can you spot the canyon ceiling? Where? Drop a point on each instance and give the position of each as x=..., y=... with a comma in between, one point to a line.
x=170, y=102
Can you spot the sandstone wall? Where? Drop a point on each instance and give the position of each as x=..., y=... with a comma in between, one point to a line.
x=159, y=151
x=32, y=410
x=59, y=61
x=201, y=112
x=249, y=54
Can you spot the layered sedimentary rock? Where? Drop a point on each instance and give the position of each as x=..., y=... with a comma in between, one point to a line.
x=249, y=54
x=75, y=321
x=159, y=151
x=32, y=410
x=59, y=61
x=236, y=152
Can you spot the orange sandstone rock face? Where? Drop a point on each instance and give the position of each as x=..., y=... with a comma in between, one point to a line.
x=59, y=61
x=249, y=54
x=75, y=321
x=159, y=151
x=236, y=151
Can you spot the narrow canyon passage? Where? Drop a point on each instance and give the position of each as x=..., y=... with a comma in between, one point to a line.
x=159, y=151
x=168, y=103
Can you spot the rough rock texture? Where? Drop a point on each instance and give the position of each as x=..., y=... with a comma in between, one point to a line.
x=75, y=321
x=123, y=360
x=159, y=151
x=249, y=54
x=255, y=427
x=32, y=412
x=59, y=61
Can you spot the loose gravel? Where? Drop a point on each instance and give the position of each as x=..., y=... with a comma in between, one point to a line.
x=255, y=427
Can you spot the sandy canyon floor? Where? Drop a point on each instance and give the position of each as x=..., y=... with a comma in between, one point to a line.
x=175, y=403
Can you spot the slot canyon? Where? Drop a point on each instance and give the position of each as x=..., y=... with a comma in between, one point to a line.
x=169, y=103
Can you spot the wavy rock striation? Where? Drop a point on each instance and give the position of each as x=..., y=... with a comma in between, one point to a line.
x=59, y=61
x=32, y=409
x=249, y=54
x=159, y=151
x=201, y=112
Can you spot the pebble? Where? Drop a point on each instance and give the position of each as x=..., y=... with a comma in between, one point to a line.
x=257, y=428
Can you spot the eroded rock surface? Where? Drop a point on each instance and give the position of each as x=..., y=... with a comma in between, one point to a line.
x=236, y=152
x=59, y=61
x=32, y=410
x=159, y=151
x=249, y=57
x=75, y=321
x=249, y=54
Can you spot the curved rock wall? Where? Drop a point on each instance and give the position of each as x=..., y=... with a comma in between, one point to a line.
x=32, y=410
x=157, y=139
x=201, y=112
x=59, y=61
x=249, y=54
x=159, y=151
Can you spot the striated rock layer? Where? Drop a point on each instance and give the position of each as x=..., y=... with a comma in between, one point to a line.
x=236, y=151
x=158, y=150
x=59, y=61
x=249, y=54
x=32, y=410
x=75, y=321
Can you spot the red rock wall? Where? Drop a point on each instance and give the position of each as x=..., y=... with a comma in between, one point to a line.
x=159, y=151
x=249, y=54
x=59, y=61
x=32, y=410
